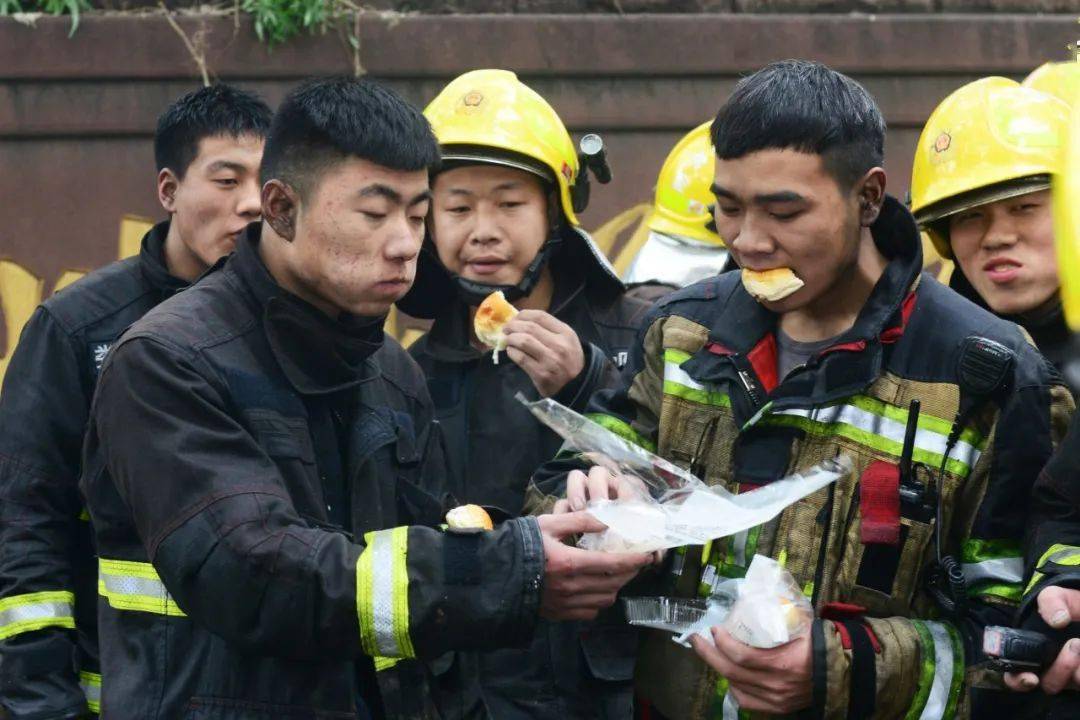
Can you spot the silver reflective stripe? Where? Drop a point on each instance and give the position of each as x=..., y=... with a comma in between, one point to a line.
x=91, y=687
x=731, y=707
x=926, y=440
x=382, y=595
x=675, y=374
x=129, y=585
x=677, y=564
x=709, y=577
x=44, y=610
x=738, y=543
x=1068, y=556
x=938, y=699
x=1006, y=570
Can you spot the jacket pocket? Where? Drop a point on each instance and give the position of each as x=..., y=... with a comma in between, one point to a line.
x=883, y=578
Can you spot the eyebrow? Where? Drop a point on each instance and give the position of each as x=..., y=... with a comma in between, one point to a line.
x=385, y=191
x=218, y=165
x=762, y=199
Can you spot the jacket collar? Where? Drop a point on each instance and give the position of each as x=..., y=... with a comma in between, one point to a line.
x=152, y=261
x=318, y=354
x=449, y=339
x=742, y=344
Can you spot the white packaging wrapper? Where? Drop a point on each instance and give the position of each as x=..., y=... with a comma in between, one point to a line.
x=770, y=610
x=670, y=507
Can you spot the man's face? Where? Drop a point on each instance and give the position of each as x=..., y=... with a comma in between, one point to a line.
x=218, y=196
x=1006, y=250
x=358, y=233
x=489, y=222
x=781, y=208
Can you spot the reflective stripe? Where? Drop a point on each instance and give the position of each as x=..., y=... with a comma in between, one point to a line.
x=926, y=671
x=385, y=663
x=622, y=429
x=382, y=594
x=944, y=686
x=1058, y=554
x=34, y=611
x=91, y=687
x=999, y=570
x=678, y=383
x=867, y=421
x=135, y=586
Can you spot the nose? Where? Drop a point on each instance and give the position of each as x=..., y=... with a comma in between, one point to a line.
x=1001, y=233
x=485, y=229
x=250, y=202
x=404, y=241
x=749, y=240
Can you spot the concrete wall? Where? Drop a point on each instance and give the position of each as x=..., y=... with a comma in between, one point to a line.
x=77, y=115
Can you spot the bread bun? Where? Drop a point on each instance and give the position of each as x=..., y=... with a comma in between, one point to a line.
x=772, y=285
x=491, y=317
x=469, y=517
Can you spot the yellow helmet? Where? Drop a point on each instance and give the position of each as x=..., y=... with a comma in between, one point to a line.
x=1067, y=222
x=683, y=195
x=1060, y=79
x=990, y=140
x=491, y=116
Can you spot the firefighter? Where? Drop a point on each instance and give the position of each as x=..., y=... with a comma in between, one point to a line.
x=258, y=450
x=1052, y=594
x=980, y=187
x=207, y=148
x=683, y=245
x=504, y=217
x=743, y=391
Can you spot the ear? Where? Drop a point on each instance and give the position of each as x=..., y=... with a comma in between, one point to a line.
x=167, y=185
x=871, y=195
x=280, y=208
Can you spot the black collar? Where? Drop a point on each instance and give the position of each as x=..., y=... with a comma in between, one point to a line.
x=152, y=261
x=318, y=354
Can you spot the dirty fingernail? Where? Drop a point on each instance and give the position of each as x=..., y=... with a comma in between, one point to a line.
x=1060, y=618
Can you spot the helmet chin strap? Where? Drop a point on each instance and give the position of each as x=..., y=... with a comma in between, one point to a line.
x=473, y=293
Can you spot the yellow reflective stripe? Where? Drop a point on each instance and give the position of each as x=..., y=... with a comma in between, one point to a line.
x=926, y=671
x=677, y=382
x=91, y=687
x=385, y=663
x=623, y=429
x=135, y=586
x=1065, y=555
x=382, y=594
x=879, y=432
x=34, y=611
x=945, y=685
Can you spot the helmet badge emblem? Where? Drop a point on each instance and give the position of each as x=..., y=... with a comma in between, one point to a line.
x=473, y=98
x=942, y=143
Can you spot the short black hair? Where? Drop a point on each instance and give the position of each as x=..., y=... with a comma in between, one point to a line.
x=804, y=106
x=219, y=109
x=327, y=120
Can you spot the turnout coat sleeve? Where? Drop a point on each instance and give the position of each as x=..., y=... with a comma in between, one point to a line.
x=216, y=520
x=42, y=418
x=1052, y=551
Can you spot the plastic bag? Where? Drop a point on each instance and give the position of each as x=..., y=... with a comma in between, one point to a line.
x=770, y=610
x=671, y=507
x=764, y=610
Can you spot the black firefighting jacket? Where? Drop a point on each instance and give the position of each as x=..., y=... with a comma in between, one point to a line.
x=48, y=573
x=701, y=389
x=253, y=473
x=493, y=443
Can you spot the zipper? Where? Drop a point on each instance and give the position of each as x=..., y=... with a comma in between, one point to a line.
x=751, y=387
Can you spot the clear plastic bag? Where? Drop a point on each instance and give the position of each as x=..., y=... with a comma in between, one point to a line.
x=764, y=610
x=770, y=609
x=670, y=507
